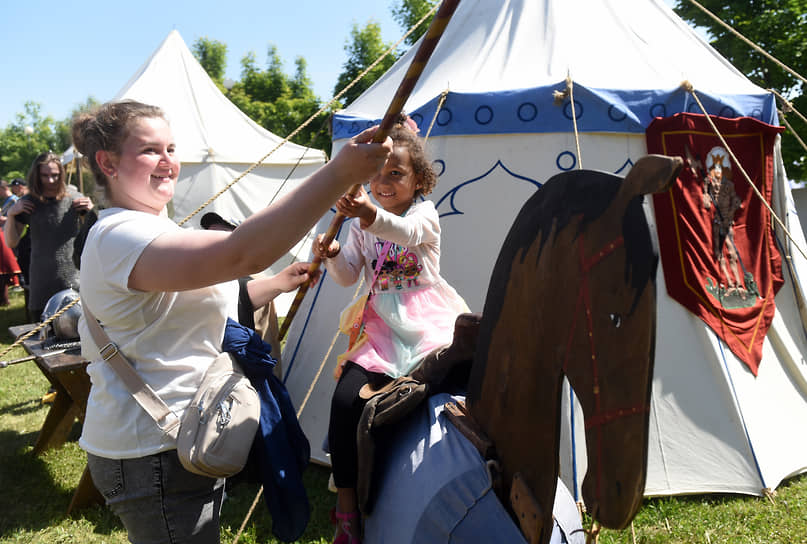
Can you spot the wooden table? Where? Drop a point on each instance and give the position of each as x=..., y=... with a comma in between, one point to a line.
x=67, y=373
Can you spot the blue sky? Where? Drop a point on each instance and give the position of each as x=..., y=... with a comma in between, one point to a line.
x=60, y=53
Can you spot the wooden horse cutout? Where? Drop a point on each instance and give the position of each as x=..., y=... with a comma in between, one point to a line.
x=573, y=294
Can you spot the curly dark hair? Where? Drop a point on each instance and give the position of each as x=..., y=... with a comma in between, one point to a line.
x=403, y=136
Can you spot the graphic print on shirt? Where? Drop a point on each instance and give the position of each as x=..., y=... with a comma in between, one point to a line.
x=400, y=268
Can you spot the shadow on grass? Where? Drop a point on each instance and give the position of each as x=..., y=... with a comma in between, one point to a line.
x=32, y=500
x=21, y=408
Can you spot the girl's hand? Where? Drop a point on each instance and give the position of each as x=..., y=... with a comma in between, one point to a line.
x=294, y=275
x=21, y=206
x=321, y=251
x=358, y=206
x=82, y=203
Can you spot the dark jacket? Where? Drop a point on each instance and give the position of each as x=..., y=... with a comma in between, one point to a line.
x=280, y=451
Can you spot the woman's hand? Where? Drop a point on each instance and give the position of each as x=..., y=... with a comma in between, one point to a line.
x=360, y=159
x=263, y=290
x=82, y=204
x=358, y=206
x=321, y=251
x=21, y=206
x=294, y=275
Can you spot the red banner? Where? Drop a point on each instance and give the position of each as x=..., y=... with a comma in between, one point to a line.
x=715, y=235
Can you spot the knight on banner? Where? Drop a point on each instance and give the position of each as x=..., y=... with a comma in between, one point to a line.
x=715, y=236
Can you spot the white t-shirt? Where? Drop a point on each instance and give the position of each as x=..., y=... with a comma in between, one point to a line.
x=170, y=338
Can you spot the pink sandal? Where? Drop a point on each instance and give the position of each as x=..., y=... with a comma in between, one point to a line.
x=344, y=522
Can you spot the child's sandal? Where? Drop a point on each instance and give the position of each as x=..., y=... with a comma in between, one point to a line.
x=345, y=521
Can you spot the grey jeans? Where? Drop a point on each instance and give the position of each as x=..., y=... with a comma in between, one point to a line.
x=158, y=501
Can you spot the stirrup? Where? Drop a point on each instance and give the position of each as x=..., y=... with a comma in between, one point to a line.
x=344, y=522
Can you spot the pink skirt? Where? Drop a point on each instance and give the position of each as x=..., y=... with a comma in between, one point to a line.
x=400, y=329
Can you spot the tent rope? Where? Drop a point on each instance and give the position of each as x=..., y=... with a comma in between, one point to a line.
x=570, y=86
x=38, y=328
x=334, y=99
x=788, y=106
x=689, y=88
x=790, y=128
x=754, y=46
x=558, y=98
x=443, y=96
x=325, y=359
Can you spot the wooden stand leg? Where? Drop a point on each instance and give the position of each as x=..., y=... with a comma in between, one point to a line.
x=58, y=422
x=85, y=494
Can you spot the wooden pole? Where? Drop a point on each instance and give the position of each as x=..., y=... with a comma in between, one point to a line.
x=77, y=162
x=422, y=56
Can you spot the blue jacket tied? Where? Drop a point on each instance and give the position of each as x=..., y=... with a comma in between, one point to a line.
x=280, y=451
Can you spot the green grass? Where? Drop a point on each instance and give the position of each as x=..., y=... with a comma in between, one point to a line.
x=37, y=490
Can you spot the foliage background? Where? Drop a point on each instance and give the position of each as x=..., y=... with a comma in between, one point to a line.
x=779, y=27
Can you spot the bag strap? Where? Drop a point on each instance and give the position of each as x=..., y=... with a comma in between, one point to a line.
x=145, y=396
x=380, y=262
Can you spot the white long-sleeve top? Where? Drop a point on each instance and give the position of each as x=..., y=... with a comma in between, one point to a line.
x=414, y=258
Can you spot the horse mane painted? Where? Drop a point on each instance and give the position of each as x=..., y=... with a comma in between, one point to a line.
x=584, y=193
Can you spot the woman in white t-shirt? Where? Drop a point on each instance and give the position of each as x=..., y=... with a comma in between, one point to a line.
x=163, y=294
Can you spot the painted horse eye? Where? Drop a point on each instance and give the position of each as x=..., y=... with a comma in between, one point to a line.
x=616, y=319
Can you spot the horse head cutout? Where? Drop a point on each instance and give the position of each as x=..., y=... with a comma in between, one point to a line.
x=573, y=294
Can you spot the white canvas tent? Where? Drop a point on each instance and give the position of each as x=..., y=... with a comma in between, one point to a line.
x=216, y=142
x=714, y=427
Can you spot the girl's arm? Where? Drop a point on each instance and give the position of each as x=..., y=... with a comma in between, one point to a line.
x=187, y=259
x=420, y=226
x=343, y=263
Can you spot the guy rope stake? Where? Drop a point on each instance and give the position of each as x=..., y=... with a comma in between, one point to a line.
x=422, y=56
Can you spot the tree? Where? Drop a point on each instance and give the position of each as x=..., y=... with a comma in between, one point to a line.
x=363, y=48
x=778, y=27
x=269, y=97
x=212, y=55
x=278, y=102
x=409, y=12
x=30, y=134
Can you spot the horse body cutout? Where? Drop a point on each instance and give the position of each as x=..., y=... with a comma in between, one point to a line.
x=573, y=294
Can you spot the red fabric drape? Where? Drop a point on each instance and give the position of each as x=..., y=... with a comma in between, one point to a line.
x=716, y=240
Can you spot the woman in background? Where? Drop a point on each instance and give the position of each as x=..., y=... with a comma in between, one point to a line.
x=52, y=211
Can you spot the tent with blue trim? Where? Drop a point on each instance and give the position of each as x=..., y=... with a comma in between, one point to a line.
x=506, y=125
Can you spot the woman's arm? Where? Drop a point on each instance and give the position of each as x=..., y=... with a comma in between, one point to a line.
x=12, y=230
x=263, y=290
x=191, y=259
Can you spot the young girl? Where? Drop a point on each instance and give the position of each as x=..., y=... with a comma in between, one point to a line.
x=411, y=311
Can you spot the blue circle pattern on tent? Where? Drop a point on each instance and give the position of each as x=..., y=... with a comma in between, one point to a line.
x=534, y=111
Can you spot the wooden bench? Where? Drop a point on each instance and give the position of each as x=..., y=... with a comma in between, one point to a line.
x=67, y=374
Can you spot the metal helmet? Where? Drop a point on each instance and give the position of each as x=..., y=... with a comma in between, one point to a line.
x=65, y=326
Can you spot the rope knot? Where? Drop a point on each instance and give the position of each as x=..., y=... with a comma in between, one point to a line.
x=687, y=86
